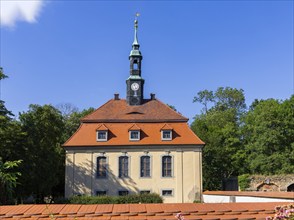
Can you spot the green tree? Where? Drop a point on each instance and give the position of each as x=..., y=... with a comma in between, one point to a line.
x=218, y=126
x=72, y=121
x=269, y=137
x=8, y=179
x=43, y=159
x=2, y=75
x=10, y=150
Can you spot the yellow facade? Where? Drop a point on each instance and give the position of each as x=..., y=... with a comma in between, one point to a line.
x=185, y=182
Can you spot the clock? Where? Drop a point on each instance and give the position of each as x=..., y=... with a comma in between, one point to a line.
x=135, y=86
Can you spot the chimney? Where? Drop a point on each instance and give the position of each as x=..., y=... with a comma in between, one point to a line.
x=116, y=96
x=152, y=96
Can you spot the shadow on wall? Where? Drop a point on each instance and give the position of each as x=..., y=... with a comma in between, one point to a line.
x=81, y=179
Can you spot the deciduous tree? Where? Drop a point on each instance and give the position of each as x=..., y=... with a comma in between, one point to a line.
x=218, y=127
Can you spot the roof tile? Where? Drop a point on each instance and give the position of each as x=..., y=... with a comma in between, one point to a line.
x=120, y=111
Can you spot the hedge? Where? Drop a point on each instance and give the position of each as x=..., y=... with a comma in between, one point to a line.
x=132, y=198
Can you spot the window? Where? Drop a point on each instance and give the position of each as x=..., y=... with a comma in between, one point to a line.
x=145, y=166
x=166, y=135
x=123, y=192
x=101, y=167
x=145, y=192
x=134, y=135
x=167, y=192
x=166, y=166
x=123, y=167
x=100, y=193
x=135, y=66
x=101, y=135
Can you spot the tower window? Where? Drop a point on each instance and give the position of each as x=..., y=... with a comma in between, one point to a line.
x=135, y=66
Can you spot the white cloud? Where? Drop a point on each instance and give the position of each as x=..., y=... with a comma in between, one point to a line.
x=12, y=11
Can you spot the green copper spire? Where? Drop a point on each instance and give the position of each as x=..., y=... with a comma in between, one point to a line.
x=135, y=46
x=136, y=43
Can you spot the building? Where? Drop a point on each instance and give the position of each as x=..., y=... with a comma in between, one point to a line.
x=134, y=145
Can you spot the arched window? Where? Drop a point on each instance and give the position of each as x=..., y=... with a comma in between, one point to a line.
x=145, y=166
x=123, y=166
x=101, y=167
x=166, y=166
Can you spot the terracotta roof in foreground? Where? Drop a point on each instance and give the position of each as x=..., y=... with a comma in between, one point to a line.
x=120, y=111
x=118, y=135
x=281, y=195
x=190, y=211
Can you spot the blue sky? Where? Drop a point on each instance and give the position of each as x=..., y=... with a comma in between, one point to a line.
x=77, y=51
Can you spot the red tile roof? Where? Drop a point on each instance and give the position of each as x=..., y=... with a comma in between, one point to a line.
x=216, y=211
x=166, y=127
x=281, y=195
x=102, y=127
x=120, y=111
x=119, y=135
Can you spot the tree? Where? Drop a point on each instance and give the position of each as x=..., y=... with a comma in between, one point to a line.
x=8, y=179
x=2, y=75
x=269, y=137
x=218, y=127
x=43, y=161
x=10, y=150
x=72, y=121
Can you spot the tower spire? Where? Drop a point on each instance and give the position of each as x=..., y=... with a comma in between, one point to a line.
x=135, y=46
x=135, y=82
x=136, y=43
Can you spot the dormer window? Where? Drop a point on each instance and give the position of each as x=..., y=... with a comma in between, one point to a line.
x=166, y=135
x=134, y=135
x=102, y=135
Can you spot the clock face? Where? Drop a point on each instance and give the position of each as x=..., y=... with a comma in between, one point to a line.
x=135, y=86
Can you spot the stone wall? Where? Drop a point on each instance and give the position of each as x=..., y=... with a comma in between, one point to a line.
x=272, y=183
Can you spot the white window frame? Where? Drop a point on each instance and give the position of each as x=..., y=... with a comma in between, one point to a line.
x=172, y=166
x=102, y=139
x=123, y=190
x=128, y=167
x=104, y=191
x=172, y=192
x=134, y=139
x=150, y=166
x=166, y=139
x=106, y=167
x=145, y=191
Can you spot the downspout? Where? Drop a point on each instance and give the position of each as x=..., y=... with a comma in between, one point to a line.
x=182, y=177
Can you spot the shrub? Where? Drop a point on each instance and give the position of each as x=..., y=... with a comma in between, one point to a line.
x=132, y=198
x=244, y=181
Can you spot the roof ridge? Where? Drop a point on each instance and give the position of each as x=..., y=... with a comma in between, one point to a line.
x=172, y=109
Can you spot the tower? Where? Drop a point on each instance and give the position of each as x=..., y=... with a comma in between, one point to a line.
x=135, y=83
